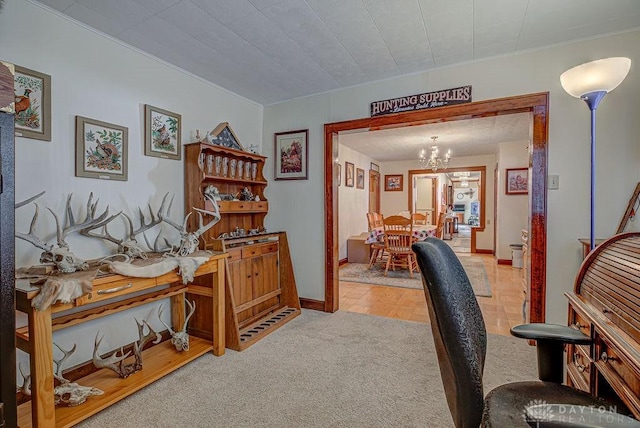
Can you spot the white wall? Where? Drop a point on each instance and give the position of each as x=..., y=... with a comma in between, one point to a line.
x=96, y=77
x=513, y=210
x=618, y=133
x=353, y=203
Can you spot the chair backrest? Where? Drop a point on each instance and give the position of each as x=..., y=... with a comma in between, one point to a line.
x=374, y=220
x=458, y=329
x=440, y=225
x=396, y=222
x=418, y=218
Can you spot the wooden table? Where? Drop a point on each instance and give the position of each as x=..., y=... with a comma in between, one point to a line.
x=159, y=360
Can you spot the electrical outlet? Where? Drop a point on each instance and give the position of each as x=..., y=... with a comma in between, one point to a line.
x=553, y=182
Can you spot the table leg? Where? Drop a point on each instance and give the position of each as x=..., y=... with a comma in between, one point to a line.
x=218, y=327
x=41, y=364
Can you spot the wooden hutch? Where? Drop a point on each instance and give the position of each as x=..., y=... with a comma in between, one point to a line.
x=260, y=290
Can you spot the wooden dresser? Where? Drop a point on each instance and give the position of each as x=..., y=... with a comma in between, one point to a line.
x=605, y=305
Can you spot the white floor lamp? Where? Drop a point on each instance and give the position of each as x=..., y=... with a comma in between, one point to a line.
x=591, y=82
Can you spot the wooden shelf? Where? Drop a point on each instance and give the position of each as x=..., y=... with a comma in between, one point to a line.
x=158, y=361
x=233, y=180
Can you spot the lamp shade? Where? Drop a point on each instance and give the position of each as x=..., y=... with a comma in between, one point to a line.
x=600, y=75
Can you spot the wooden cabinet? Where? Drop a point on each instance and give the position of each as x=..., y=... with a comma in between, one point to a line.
x=260, y=288
x=201, y=170
x=261, y=291
x=159, y=360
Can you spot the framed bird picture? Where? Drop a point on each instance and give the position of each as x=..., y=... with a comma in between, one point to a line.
x=162, y=130
x=32, y=104
x=101, y=149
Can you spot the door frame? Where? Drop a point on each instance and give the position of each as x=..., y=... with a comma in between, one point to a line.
x=481, y=190
x=537, y=104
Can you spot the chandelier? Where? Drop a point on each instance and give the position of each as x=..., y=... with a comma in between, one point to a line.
x=434, y=161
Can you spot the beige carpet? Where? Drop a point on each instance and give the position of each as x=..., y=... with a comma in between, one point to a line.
x=319, y=370
x=360, y=272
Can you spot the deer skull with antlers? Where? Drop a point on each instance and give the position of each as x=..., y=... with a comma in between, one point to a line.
x=180, y=339
x=66, y=393
x=189, y=241
x=60, y=254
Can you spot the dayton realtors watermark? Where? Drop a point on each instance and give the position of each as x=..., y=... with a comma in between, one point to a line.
x=422, y=101
x=538, y=412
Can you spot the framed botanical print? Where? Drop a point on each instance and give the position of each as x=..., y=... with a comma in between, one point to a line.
x=393, y=183
x=101, y=149
x=162, y=130
x=359, y=178
x=292, y=155
x=32, y=104
x=516, y=181
x=349, y=174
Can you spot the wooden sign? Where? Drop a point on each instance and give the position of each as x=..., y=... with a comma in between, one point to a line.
x=442, y=98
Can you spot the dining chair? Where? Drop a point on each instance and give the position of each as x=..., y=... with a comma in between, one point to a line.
x=418, y=219
x=460, y=338
x=398, y=238
x=440, y=225
x=378, y=254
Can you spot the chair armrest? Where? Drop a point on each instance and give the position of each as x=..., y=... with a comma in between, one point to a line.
x=553, y=332
x=567, y=415
x=550, y=340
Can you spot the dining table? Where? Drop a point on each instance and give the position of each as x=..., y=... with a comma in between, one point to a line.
x=420, y=232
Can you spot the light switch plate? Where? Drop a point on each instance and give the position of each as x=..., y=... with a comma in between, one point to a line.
x=553, y=183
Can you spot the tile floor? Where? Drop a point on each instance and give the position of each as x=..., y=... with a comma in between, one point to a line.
x=501, y=311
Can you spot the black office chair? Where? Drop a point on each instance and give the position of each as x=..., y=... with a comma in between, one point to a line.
x=461, y=340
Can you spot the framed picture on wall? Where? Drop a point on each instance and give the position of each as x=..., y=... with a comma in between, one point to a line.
x=32, y=104
x=349, y=174
x=101, y=149
x=162, y=133
x=516, y=180
x=393, y=183
x=292, y=155
x=374, y=167
x=359, y=178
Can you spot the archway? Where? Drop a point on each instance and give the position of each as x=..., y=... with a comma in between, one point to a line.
x=536, y=104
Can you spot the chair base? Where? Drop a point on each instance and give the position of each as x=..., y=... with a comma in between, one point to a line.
x=505, y=405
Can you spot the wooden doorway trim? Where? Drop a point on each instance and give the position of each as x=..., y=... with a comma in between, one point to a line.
x=374, y=191
x=481, y=189
x=537, y=104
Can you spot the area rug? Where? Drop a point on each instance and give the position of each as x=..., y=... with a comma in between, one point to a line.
x=321, y=370
x=360, y=272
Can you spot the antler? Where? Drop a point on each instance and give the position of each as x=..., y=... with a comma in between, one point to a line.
x=31, y=199
x=112, y=362
x=67, y=354
x=171, y=332
x=144, y=226
x=26, y=383
x=164, y=216
x=71, y=225
x=31, y=237
x=87, y=231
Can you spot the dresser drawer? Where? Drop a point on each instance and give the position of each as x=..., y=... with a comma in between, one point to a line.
x=579, y=367
x=116, y=288
x=578, y=322
x=617, y=371
x=259, y=249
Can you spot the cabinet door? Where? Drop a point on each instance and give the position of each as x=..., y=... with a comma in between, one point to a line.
x=265, y=279
x=241, y=276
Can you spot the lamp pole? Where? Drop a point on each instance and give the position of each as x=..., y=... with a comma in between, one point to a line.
x=593, y=100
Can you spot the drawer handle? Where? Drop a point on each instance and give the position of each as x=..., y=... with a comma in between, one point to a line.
x=115, y=289
x=604, y=357
x=581, y=367
x=579, y=326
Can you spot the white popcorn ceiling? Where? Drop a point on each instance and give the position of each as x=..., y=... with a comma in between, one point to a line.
x=271, y=51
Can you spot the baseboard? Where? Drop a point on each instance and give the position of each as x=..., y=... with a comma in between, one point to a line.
x=504, y=262
x=316, y=305
x=343, y=261
x=483, y=251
